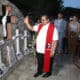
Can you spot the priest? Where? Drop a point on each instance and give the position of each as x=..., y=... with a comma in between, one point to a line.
x=46, y=43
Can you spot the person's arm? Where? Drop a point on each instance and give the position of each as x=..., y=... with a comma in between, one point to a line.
x=54, y=42
x=79, y=28
x=68, y=29
x=28, y=25
x=65, y=29
x=54, y=46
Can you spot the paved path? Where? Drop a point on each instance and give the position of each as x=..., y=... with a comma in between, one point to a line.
x=63, y=69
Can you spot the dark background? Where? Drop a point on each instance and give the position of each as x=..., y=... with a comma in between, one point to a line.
x=38, y=7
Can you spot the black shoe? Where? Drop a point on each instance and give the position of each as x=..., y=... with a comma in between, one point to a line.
x=37, y=74
x=46, y=75
x=1, y=72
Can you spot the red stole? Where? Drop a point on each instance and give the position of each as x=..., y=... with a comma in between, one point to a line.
x=48, y=45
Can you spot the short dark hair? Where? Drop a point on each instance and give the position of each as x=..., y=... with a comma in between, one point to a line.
x=75, y=16
x=47, y=17
x=60, y=13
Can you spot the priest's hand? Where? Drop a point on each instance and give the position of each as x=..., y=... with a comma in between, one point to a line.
x=26, y=20
x=52, y=54
x=28, y=25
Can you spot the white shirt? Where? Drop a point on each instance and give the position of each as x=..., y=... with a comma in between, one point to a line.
x=41, y=38
x=74, y=26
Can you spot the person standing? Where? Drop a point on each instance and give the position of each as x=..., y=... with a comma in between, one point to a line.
x=73, y=30
x=60, y=24
x=46, y=43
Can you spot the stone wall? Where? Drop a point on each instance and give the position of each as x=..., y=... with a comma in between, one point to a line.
x=12, y=48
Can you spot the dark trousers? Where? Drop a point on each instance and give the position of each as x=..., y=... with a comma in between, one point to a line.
x=40, y=59
x=65, y=45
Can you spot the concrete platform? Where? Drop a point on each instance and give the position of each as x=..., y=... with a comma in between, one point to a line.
x=63, y=69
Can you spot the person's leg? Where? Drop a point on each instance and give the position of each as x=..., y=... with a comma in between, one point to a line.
x=60, y=43
x=40, y=58
x=51, y=66
x=40, y=61
x=65, y=45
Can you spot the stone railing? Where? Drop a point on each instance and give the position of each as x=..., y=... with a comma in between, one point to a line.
x=13, y=45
